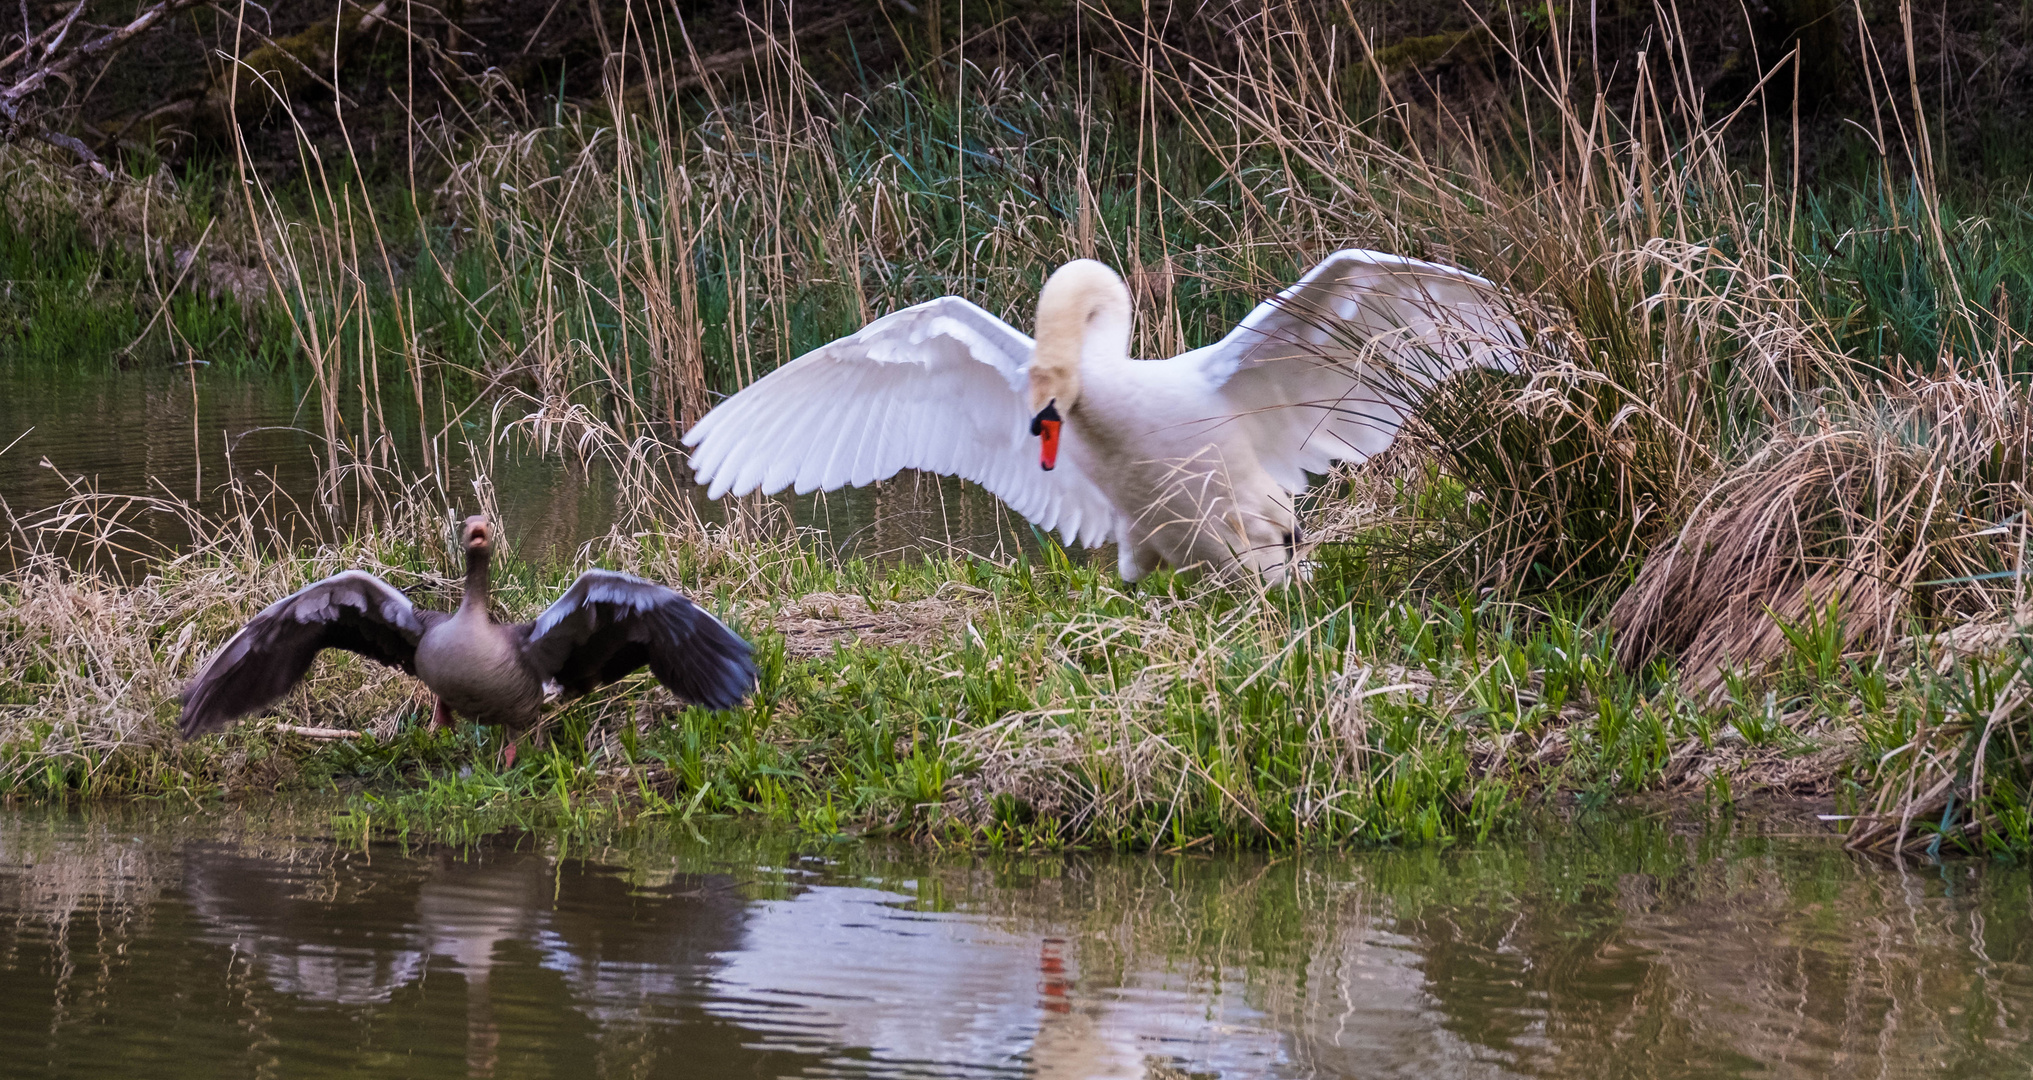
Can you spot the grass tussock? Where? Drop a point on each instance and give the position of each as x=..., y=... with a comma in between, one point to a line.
x=1877, y=515
x=1770, y=436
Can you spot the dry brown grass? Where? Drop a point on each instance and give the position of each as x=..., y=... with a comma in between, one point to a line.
x=816, y=624
x=100, y=626
x=1885, y=514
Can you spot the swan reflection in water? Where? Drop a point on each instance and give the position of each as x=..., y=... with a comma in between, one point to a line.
x=840, y=978
x=926, y=990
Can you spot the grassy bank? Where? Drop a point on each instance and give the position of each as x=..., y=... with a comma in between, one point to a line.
x=1755, y=520
x=1023, y=703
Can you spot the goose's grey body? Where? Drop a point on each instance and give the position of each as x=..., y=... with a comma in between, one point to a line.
x=607, y=625
x=475, y=667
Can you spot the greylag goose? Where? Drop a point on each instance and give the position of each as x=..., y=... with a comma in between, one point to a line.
x=606, y=625
x=1191, y=460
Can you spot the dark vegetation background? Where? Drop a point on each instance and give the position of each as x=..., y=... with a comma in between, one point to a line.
x=158, y=97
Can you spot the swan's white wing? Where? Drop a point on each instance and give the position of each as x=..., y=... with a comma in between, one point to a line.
x=1328, y=369
x=941, y=387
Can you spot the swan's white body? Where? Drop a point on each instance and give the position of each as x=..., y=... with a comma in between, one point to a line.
x=1191, y=460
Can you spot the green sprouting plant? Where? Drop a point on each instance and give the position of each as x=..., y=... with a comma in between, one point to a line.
x=1816, y=640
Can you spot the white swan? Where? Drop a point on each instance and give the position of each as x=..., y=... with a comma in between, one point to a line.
x=1191, y=460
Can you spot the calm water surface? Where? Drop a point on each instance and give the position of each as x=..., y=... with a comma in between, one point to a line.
x=162, y=433
x=144, y=942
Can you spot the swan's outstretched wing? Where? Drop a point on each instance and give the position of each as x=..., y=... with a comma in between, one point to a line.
x=608, y=624
x=940, y=387
x=353, y=610
x=1328, y=369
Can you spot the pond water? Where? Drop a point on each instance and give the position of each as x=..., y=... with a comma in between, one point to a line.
x=148, y=941
x=167, y=434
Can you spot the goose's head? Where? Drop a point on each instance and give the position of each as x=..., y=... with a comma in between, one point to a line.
x=1083, y=313
x=477, y=536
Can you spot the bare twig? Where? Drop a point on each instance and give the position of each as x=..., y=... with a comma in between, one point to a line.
x=323, y=734
x=15, y=125
x=51, y=37
x=10, y=98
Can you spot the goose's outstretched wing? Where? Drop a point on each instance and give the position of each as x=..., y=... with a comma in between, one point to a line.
x=942, y=387
x=1329, y=369
x=353, y=610
x=608, y=624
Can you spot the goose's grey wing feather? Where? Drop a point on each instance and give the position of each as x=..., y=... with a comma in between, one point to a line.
x=354, y=610
x=941, y=387
x=608, y=624
x=1329, y=369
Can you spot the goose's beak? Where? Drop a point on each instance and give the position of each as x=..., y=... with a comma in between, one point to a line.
x=1045, y=426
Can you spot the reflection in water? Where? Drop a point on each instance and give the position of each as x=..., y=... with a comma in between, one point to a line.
x=466, y=911
x=271, y=915
x=926, y=990
x=141, y=945
x=157, y=434
x=354, y=928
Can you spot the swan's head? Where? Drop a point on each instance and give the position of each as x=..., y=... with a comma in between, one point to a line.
x=477, y=536
x=1083, y=312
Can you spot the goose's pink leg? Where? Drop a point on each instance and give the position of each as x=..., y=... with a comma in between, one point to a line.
x=441, y=716
x=508, y=755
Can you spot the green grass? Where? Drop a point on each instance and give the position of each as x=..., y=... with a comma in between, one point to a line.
x=1054, y=708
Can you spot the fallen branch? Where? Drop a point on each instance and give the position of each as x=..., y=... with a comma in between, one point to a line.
x=14, y=125
x=287, y=66
x=704, y=67
x=51, y=37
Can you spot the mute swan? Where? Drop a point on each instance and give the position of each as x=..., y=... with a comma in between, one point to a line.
x=605, y=626
x=1191, y=460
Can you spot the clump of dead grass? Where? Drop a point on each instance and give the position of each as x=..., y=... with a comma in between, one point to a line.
x=98, y=644
x=817, y=624
x=1880, y=514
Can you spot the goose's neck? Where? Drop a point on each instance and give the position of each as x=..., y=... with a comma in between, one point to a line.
x=474, y=604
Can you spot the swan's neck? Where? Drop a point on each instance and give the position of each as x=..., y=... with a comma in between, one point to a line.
x=1083, y=323
x=474, y=604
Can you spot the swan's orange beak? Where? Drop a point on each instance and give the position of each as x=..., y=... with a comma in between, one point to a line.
x=1045, y=426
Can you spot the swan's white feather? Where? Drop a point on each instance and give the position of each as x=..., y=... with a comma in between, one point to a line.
x=938, y=387
x=1325, y=371
x=1329, y=369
